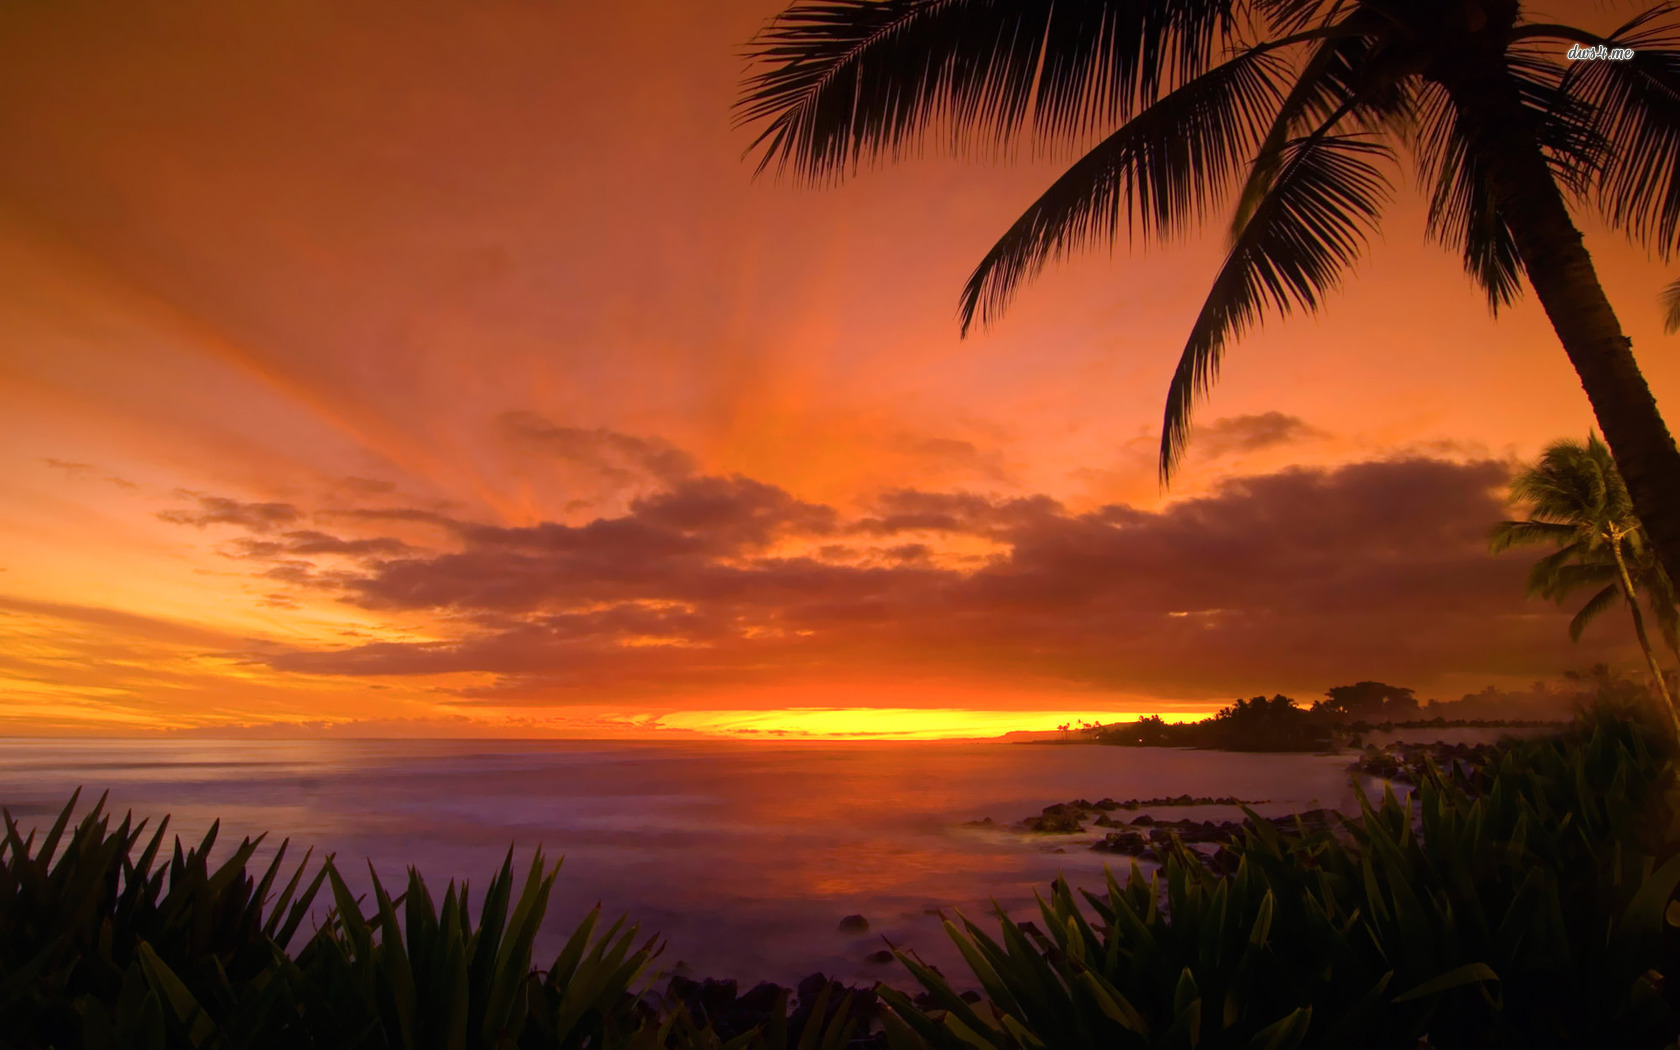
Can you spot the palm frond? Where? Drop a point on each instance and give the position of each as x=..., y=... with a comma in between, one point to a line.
x=1309, y=227
x=1508, y=534
x=1334, y=82
x=1636, y=112
x=1671, y=308
x=1462, y=207
x=1599, y=603
x=843, y=80
x=1564, y=124
x=1576, y=482
x=1597, y=569
x=1290, y=16
x=1160, y=171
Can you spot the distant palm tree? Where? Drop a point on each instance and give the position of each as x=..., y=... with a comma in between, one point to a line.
x=1578, y=503
x=1289, y=109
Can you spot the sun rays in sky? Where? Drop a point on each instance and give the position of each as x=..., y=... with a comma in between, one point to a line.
x=442, y=369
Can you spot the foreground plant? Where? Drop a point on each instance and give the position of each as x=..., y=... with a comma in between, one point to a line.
x=103, y=947
x=1531, y=905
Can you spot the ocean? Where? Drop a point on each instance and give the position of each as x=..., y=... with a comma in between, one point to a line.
x=742, y=856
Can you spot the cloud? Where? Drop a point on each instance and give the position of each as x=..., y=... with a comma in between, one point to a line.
x=220, y=510
x=1285, y=581
x=678, y=541
x=1250, y=433
x=956, y=455
x=310, y=542
x=617, y=457
x=82, y=470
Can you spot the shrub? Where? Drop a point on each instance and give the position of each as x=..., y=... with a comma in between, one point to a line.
x=1530, y=905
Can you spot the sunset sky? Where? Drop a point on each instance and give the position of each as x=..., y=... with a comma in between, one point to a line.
x=440, y=367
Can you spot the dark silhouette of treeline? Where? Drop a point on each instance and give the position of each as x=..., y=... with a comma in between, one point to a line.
x=1281, y=723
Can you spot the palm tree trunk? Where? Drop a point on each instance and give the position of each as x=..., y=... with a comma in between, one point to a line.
x=1562, y=274
x=1644, y=639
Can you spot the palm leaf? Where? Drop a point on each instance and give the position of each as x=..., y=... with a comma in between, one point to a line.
x=1508, y=534
x=1671, y=308
x=847, y=79
x=1309, y=228
x=1462, y=208
x=1159, y=171
x=1636, y=112
x=1599, y=603
x=1326, y=89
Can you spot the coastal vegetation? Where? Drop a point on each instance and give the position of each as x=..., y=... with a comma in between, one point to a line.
x=1525, y=901
x=1280, y=723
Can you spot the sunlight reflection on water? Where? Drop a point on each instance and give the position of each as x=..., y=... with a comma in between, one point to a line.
x=744, y=856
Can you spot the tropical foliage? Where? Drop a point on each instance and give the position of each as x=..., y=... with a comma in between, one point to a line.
x=1254, y=724
x=105, y=945
x=1287, y=116
x=1578, y=503
x=1531, y=906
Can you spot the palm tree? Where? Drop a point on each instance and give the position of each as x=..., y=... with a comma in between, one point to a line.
x=1290, y=112
x=1578, y=503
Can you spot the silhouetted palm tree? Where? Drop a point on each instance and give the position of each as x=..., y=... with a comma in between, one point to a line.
x=1578, y=503
x=1291, y=109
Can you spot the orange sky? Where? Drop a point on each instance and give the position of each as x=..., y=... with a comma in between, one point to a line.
x=439, y=367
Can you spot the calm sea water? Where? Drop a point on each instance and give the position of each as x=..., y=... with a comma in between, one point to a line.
x=743, y=856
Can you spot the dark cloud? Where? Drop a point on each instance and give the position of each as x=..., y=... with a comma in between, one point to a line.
x=619, y=458
x=678, y=541
x=1251, y=433
x=1287, y=581
x=910, y=510
x=410, y=515
x=308, y=542
x=219, y=510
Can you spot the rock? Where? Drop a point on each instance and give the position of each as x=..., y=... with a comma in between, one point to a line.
x=717, y=996
x=970, y=996
x=1105, y=804
x=811, y=986
x=854, y=924
x=761, y=999
x=1061, y=822
x=1106, y=821
x=880, y=957
x=1144, y=821
x=1121, y=842
x=985, y=822
x=1223, y=862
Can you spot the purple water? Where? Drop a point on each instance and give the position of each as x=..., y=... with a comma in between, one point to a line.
x=743, y=856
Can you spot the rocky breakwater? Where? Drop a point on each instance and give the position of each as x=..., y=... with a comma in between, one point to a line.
x=1147, y=837
x=1408, y=763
